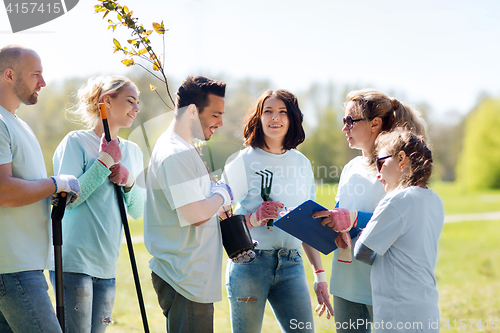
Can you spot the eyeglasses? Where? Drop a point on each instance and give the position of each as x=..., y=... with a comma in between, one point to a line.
x=380, y=162
x=350, y=122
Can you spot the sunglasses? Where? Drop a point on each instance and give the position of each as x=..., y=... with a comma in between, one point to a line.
x=350, y=122
x=380, y=162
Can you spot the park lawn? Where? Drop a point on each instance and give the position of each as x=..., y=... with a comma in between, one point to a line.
x=467, y=272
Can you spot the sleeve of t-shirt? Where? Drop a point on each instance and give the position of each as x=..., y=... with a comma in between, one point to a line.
x=69, y=157
x=310, y=176
x=384, y=228
x=183, y=180
x=5, y=145
x=235, y=176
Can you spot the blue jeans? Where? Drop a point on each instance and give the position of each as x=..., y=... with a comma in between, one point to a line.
x=25, y=304
x=183, y=315
x=274, y=275
x=348, y=313
x=88, y=302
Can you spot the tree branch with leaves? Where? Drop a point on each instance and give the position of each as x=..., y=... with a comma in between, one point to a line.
x=139, y=46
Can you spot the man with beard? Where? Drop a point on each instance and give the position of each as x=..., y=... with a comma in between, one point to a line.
x=181, y=227
x=25, y=305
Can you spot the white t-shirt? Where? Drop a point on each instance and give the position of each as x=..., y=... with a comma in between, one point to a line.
x=359, y=189
x=292, y=184
x=24, y=231
x=93, y=231
x=404, y=232
x=187, y=257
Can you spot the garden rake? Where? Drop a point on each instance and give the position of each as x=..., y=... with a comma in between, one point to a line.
x=265, y=190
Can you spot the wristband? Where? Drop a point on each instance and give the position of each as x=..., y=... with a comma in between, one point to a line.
x=223, y=200
x=319, y=271
x=55, y=183
x=319, y=277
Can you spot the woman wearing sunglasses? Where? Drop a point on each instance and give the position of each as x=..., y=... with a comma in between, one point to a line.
x=367, y=113
x=401, y=239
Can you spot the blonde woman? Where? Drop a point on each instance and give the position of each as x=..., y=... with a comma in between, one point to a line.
x=92, y=227
x=368, y=112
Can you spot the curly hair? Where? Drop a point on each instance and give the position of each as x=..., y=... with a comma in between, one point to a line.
x=415, y=148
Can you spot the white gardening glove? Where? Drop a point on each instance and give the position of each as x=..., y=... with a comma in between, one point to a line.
x=321, y=290
x=109, y=152
x=222, y=189
x=68, y=184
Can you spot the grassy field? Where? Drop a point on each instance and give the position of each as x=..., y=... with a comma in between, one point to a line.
x=468, y=272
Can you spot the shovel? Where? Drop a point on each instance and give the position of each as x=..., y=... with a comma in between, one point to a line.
x=123, y=213
x=57, y=239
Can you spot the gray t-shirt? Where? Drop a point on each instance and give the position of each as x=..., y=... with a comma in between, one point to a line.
x=404, y=232
x=25, y=231
x=187, y=257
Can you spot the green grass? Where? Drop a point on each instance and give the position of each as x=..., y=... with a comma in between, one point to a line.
x=468, y=271
x=459, y=201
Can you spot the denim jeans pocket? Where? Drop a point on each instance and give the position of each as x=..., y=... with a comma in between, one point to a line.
x=297, y=258
x=2, y=287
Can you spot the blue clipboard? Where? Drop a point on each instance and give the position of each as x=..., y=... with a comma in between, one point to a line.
x=300, y=223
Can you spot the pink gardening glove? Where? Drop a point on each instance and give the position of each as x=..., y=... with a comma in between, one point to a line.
x=121, y=176
x=342, y=221
x=268, y=210
x=321, y=290
x=109, y=152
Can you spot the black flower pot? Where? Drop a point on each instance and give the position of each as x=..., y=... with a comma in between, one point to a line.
x=236, y=237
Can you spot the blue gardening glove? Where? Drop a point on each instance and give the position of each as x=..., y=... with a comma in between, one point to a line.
x=68, y=184
x=222, y=189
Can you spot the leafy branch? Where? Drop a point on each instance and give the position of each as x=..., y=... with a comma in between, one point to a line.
x=139, y=46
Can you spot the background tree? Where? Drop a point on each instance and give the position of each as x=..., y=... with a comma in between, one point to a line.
x=479, y=163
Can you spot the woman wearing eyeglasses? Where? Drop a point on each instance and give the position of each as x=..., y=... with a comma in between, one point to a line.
x=367, y=113
x=401, y=239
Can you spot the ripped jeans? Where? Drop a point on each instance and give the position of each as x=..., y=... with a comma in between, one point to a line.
x=274, y=275
x=88, y=302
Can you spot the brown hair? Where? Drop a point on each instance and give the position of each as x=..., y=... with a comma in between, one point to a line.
x=195, y=90
x=415, y=148
x=253, y=132
x=370, y=103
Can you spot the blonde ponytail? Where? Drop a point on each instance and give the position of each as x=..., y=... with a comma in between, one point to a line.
x=92, y=92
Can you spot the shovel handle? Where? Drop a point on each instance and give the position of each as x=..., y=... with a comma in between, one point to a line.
x=104, y=117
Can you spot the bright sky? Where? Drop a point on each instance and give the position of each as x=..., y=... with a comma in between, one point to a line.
x=444, y=53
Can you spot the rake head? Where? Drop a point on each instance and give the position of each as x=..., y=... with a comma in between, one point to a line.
x=266, y=184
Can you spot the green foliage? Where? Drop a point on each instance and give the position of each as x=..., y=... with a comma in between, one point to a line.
x=139, y=45
x=479, y=163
